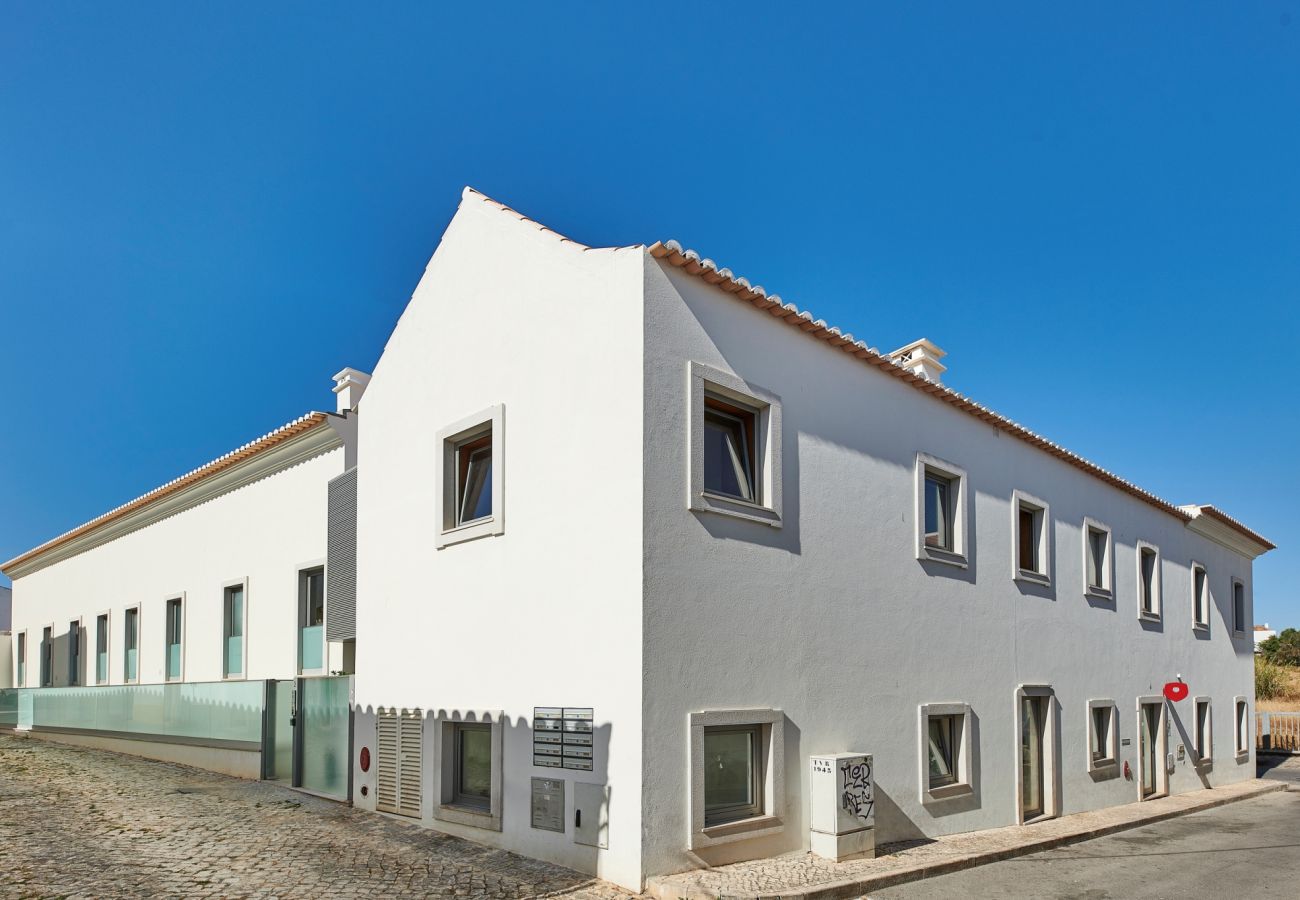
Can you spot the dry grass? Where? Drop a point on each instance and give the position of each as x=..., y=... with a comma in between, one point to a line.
x=1289, y=700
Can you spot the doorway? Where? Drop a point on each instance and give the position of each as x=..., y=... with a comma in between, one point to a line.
x=308, y=734
x=1151, y=738
x=1033, y=731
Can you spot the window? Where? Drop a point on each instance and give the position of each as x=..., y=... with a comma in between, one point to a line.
x=1200, y=597
x=944, y=732
x=233, y=630
x=131, y=644
x=735, y=447
x=473, y=766
x=941, y=511
x=1097, y=560
x=101, y=648
x=1204, y=735
x=1103, y=735
x=74, y=652
x=470, y=478
x=21, y=679
x=1148, y=576
x=468, y=762
x=311, y=619
x=47, y=656
x=737, y=778
x=945, y=751
x=1238, y=607
x=1243, y=729
x=729, y=463
x=175, y=626
x=939, y=494
x=1032, y=530
x=733, y=765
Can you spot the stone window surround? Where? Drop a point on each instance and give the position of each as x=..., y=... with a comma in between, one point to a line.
x=1232, y=599
x=1111, y=764
x=179, y=597
x=965, y=784
x=1205, y=755
x=1042, y=508
x=225, y=587
x=139, y=642
x=702, y=378
x=444, y=770
x=772, y=821
x=1209, y=596
x=1162, y=748
x=445, y=479
x=1157, y=583
x=1107, y=592
x=92, y=650
x=1242, y=753
x=958, y=556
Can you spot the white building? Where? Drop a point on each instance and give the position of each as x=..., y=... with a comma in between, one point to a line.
x=635, y=540
x=1263, y=633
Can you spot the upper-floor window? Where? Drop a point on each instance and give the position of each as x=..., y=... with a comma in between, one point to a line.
x=1032, y=529
x=729, y=461
x=131, y=644
x=311, y=619
x=233, y=630
x=21, y=660
x=1200, y=597
x=1098, y=551
x=1148, y=577
x=469, y=475
x=101, y=648
x=1238, y=607
x=47, y=657
x=942, y=500
x=175, y=631
x=735, y=446
x=74, y=652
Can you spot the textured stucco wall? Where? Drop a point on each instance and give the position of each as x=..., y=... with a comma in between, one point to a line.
x=547, y=613
x=264, y=532
x=833, y=619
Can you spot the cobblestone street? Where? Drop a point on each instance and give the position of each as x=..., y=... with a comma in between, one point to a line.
x=86, y=823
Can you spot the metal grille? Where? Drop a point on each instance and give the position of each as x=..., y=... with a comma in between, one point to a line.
x=341, y=561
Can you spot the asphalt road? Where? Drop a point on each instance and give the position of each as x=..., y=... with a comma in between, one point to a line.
x=1246, y=849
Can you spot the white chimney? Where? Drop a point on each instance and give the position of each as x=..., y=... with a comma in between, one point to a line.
x=349, y=385
x=921, y=358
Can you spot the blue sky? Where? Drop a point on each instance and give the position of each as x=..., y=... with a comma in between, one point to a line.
x=208, y=209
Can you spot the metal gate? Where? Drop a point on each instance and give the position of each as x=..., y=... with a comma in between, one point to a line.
x=307, y=734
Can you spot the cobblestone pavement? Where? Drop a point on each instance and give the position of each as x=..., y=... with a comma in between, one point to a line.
x=87, y=823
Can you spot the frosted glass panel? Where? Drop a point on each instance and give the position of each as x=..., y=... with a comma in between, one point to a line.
x=173, y=660
x=234, y=656
x=311, y=649
x=101, y=667
x=325, y=716
x=211, y=710
x=279, y=742
x=131, y=671
x=8, y=708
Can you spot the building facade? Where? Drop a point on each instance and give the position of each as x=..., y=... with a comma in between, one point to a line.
x=635, y=540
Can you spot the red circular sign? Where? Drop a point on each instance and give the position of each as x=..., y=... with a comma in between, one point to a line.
x=365, y=759
x=1175, y=691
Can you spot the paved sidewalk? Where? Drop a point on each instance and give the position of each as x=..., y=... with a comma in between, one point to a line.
x=802, y=875
x=89, y=823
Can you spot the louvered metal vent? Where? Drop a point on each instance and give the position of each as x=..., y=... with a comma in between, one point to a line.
x=341, y=563
x=400, y=761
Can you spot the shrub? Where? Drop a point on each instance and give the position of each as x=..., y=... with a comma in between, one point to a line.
x=1270, y=680
x=1282, y=649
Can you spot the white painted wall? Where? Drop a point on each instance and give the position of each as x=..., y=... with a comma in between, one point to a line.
x=832, y=619
x=6, y=660
x=547, y=613
x=264, y=532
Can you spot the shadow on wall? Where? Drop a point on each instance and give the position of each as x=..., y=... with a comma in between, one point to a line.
x=587, y=793
x=1199, y=768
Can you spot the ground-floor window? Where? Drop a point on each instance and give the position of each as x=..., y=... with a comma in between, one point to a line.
x=737, y=777
x=946, y=769
x=733, y=770
x=469, y=777
x=1103, y=735
x=1243, y=729
x=1204, y=735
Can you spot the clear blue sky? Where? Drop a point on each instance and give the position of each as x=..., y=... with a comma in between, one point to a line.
x=208, y=209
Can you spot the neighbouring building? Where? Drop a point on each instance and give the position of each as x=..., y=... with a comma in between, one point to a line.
x=627, y=540
x=1263, y=633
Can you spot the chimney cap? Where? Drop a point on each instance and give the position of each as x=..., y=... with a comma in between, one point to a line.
x=349, y=385
x=921, y=357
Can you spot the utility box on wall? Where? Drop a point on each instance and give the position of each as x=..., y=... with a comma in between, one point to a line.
x=842, y=793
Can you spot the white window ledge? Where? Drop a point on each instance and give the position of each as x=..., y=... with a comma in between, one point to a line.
x=947, y=557
x=948, y=792
x=1029, y=577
